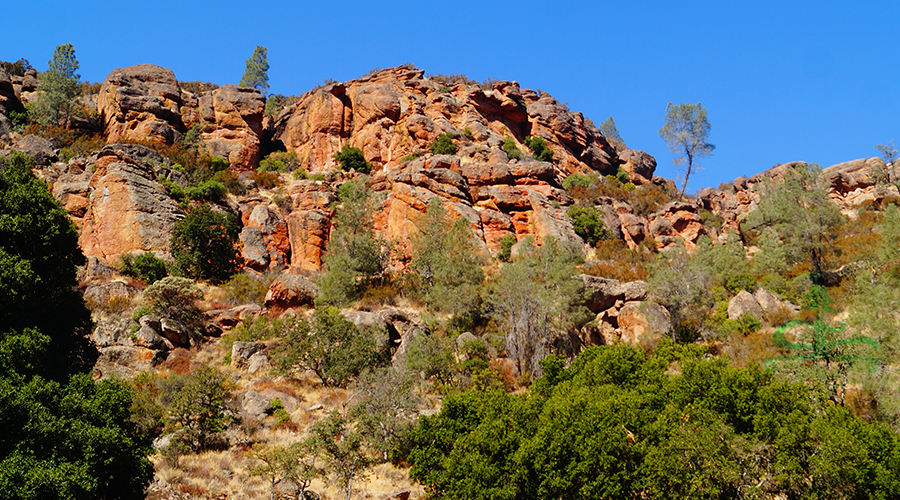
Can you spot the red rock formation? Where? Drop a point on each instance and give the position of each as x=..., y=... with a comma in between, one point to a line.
x=141, y=103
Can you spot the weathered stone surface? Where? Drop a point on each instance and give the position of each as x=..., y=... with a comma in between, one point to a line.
x=41, y=149
x=255, y=404
x=643, y=323
x=291, y=290
x=743, y=303
x=639, y=165
x=125, y=362
x=234, y=124
x=141, y=103
x=241, y=352
x=600, y=293
x=175, y=331
x=147, y=337
x=127, y=211
x=9, y=101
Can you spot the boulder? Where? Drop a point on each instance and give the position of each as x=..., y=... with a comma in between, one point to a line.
x=175, y=331
x=147, y=337
x=242, y=351
x=141, y=103
x=643, y=323
x=601, y=293
x=255, y=404
x=41, y=149
x=744, y=303
x=639, y=165
x=128, y=211
x=289, y=291
x=234, y=127
x=9, y=101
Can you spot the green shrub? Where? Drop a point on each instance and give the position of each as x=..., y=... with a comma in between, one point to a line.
x=622, y=175
x=509, y=146
x=587, y=224
x=539, y=149
x=741, y=281
x=506, y=244
x=579, y=180
x=443, y=145
x=210, y=190
x=279, y=161
x=203, y=245
x=350, y=158
x=468, y=133
x=174, y=190
x=141, y=311
x=146, y=266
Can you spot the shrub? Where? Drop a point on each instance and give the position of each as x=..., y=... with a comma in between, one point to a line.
x=280, y=161
x=538, y=147
x=231, y=182
x=578, y=180
x=506, y=244
x=587, y=224
x=468, y=133
x=246, y=288
x=146, y=266
x=266, y=180
x=741, y=281
x=443, y=145
x=210, y=190
x=173, y=297
x=623, y=176
x=203, y=245
x=350, y=158
x=509, y=146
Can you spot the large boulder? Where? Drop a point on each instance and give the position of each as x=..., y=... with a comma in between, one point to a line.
x=231, y=121
x=128, y=210
x=141, y=103
x=9, y=102
x=289, y=291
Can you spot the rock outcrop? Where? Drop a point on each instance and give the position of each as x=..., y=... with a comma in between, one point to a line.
x=393, y=113
x=9, y=101
x=141, y=103
x=230, y=120
x=126, y=209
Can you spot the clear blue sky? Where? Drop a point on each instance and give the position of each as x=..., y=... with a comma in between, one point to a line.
x=781, y=80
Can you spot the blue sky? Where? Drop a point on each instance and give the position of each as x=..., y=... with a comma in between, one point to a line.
x=781, y=80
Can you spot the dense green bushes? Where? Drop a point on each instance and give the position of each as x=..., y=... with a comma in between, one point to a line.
x=350, y=158
x=203, y=245
x=619, y=423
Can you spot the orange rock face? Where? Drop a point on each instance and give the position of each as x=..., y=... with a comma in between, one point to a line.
x=141, y=103
x=127, y=211
x=396, y=112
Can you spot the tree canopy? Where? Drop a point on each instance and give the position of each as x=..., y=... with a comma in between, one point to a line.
x=257, y=73
x=687, y=132
x=60, y=87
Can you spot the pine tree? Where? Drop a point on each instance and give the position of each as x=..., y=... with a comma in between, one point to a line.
x=60, y=87
x=257, y=73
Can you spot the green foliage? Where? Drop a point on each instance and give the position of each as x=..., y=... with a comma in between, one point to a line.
x=609, y=130
x=447, y=269
x=443, y=145
x=279, y=161
x=686, y=132
x=578, y=180
x=247, y=288
x=350, y=158
x=797, y=211
x=534, y=300
x=432, y=357
x=506, y=244
x=334, y=348
x=256, y=75
x=467, y=132
x=72, y=440
x=739, y=282
x=60, y=88
x=294, y=464
x=38, y=255
x=203, y=245
x=539, y=149
x=587, y=224
x=384, y=411
x=145, y=266
x=173, y=297
x=18, y=68
x=199, y=408
x=512, y=151
x=619, y=423
x=355, y=258
x=211, y=190
x=342, y=449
